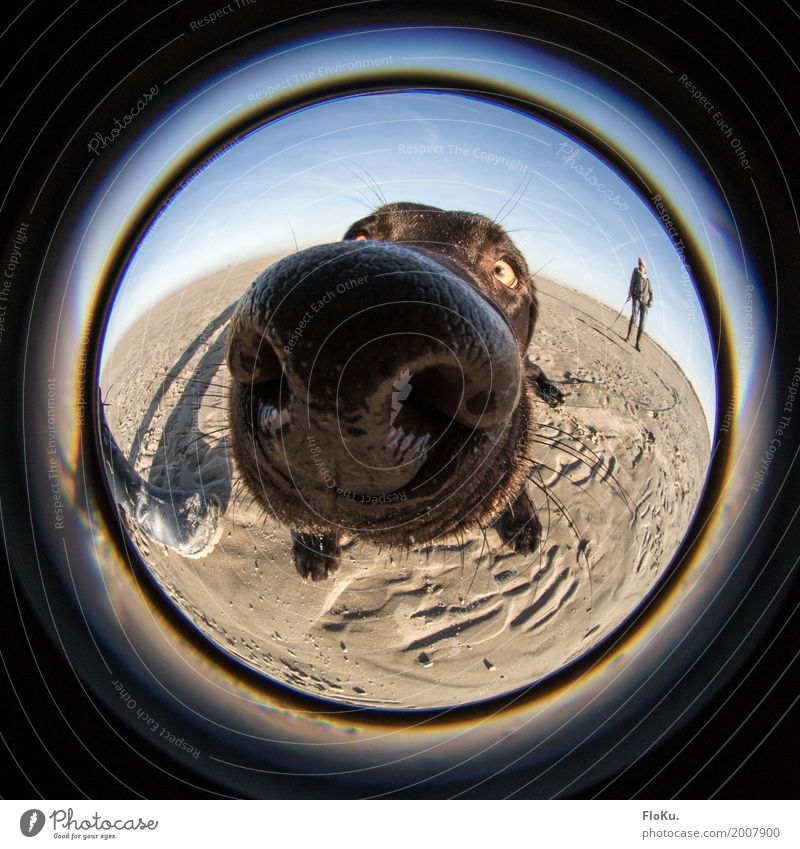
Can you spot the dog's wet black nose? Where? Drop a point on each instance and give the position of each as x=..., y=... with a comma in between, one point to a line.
x=350, y=360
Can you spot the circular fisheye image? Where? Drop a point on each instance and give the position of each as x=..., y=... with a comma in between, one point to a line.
x=406, y=400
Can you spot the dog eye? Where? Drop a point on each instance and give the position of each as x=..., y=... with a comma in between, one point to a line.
x=505, y=274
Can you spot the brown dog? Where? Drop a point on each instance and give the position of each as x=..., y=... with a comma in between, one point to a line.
x=381, y=385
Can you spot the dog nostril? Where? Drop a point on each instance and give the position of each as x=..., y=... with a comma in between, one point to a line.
x=273, y=399
x=450, y=391
x=440, y=388
x=482, y=403
x=251, y=358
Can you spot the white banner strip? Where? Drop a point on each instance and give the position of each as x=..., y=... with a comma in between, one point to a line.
x=403, y=824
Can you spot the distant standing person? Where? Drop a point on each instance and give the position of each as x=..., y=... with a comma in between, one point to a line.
x=640, y=293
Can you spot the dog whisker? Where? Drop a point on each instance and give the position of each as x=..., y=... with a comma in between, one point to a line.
x=369, y=181
x=514, y=200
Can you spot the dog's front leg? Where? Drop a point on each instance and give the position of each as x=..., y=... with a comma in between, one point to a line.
x=549, y=391
x=316, y=556
x=519, y=526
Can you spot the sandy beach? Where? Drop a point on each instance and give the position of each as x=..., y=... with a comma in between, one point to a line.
x=620, y=469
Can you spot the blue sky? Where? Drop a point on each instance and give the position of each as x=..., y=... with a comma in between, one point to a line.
x=304, y=177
